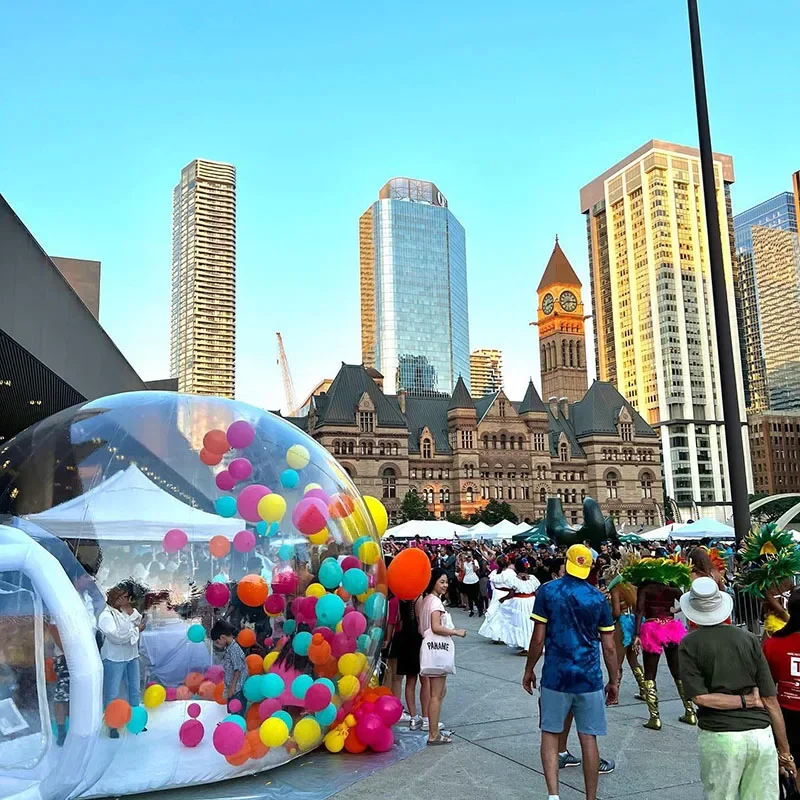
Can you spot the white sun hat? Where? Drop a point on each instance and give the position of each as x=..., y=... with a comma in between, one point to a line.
x=705, y=604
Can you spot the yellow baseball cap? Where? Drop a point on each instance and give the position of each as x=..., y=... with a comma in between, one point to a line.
x=579, y=561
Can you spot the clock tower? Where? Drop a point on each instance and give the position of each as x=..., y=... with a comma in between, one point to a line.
x=562, y=341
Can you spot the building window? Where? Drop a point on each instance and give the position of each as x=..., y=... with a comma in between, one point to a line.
x=574, y=496
x=469, y=471
x=469, y=495
x=571, y=354
x=382, y=448
x=447, y=495
x=369, y=448
x=389, y=479
x=466, y=440
x=426, y=448
x=542, y=495
x=573, y=517
x=363, y=448
x=350, y=448
x=626, y=431
x=502, y=441
x=413, y=473
x=512, y=493
x=538, y=441
x=485, y=442
x=612, y=480
x=366, y=421
x=494, y=442
x=395, y=449
x=521, y=442
x=564, y=450
x=501, y=408
x=336, y=448
x=646, y=484
x=649, y=517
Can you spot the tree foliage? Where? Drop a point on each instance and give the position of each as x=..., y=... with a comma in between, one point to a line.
x=494, y=512
x=414, y=507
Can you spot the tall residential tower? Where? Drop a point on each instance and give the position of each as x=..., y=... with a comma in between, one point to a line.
x=203, y=333
x=414, y=321
x=655, y=337
x=486, y=372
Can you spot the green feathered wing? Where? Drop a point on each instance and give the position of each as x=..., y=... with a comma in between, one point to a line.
x=658, y=570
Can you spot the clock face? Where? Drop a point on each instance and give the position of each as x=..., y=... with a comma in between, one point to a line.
x=568, y=301
x=548, y=303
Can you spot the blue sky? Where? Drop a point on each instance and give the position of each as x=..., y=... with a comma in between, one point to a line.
x=508, y=107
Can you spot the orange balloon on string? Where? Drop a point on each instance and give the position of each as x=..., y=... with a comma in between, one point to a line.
x=219, y=546
x=210, y=459
x=252, y=590
x=246, y=637
x=255, y=664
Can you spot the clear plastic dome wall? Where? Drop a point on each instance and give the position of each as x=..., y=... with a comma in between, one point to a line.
x=188, y=583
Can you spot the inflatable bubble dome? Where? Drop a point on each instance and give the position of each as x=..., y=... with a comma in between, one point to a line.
x=191, y=589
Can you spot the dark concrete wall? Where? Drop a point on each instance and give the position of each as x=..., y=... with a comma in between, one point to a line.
x=84, y=277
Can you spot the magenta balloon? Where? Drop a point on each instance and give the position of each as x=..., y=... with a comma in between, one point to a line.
x=175, y=540
x=247, y=501
x=354, y=624
x=240, y=434
x=192, y=732
x=350, y=562
x=327, y=633
x=310, y=516
x=297, y=606
x=368, y=728
x=319, y=494
x=228, y=738
x=382, y=741
x=275, y=604
x=235, y=706
x=240, y=469
x=215, y=674
x=244, y=542
x=193, y=710
x=269, y=707
x=217, y=594
x=342, y=644
x=172, y=694
x=317, y=697
x=285, y=582
x=389, y=709
x=225, y=481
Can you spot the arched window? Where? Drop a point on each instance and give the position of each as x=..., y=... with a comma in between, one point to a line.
x=485, y=442
x=350, y=448
x=521, y=442
x=571, y=354
x=447, y=495
x=426, y=448
x=583, y=495
x=612, y=479
x=382, y=448
x=494, y=442
x=646, y=483
x=544, y=358
x=511, y=442
x=363, y=448
x=349, y=471
x=395, y=449
x=542, y=495
x=441, y=496
x=577, y=354
x=574, y=496
x=502, y=441
x=564, y=353
x=564, y=451
x=369, y=448
x=336, y=448
x=389, y=480
x=469, y=495
x=560, y=495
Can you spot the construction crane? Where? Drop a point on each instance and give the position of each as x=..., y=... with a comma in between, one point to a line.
x=288, y=385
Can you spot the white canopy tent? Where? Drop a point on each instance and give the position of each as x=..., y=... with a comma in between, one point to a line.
x=481, y=527
x=659, y=534
x=704, y=528
x=128, y=506
x=428, y=529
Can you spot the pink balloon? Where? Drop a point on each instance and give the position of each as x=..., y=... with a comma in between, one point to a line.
x=382, y=741
x=342, y=644
x=217, y=594
x=215, y=673
x=275, y=603
x=354, y=624
x=174, y=540
x=268, y=707
x=183, y=693
x=172, y=694
x=368, y=728
x=240, y=469
x=389, y=709
x=365, y=708
x=235, y=706
x=318, y=697
x=350, y=562
x=327, y=633
x=244, y=542
x=319, y=494
x=247, y=501
x=228, y=738
x=297, y=606
x=285, y=582
x=192, y=733
x=193, y=710
x=225, y=481
x=310, y=516
x=240, y=434
x=340, y=715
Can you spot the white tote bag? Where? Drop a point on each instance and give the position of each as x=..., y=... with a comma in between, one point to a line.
x=437, y=655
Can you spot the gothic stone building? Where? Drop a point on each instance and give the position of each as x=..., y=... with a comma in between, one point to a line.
x=457, y=453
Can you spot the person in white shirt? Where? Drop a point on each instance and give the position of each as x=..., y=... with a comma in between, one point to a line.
x=121, y=625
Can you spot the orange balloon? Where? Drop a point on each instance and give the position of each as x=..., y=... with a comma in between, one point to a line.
x=240, y=757
x=255, y=664
x=319, y=651
x=409, y=574
x=193, y=681
x=341, y=506
x=343, y=594
x=380, y=573
x=218, y=693
x=216, y=442
x=49, y=671
x=257, y=748
x=118, y=713
x=383, y=691
x=252, y=590
x=210, y=459
x=328, y=669
x=184, y=693
x=353, y=744
x=252, y=718
x=219, y=546
x=246, y=637
x=206, y=690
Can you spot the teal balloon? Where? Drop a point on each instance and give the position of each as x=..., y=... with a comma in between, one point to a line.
x=301, y=643
x=253, y=689
x=289, y=626
x=328, y=683
x=239, y=720
x=355, y=581
x=138, y=720
x=376, y=634
x=272, y=685
x=274, y=528
x=363, y=642
x=375, y=607
x=289, y=479
x=286, y=552
x=285, y=716
x=330, y=574
x=220, y=579
x=327, y=715
x=196, y=633
x=54, y=727
x=330, y=610
x=225, y=506
x=261, y=528
x=300, y=685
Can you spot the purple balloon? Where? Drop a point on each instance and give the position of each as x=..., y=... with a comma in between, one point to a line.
x=225, y=481
x=244, y=542
x=192, y=732
x=240, y=469
x=241, y=434
x=228, y=738
x=217, y=594
x=317, y=698
x=215, y=673
x=175, y=540
x=248, y=499
x=268, y=707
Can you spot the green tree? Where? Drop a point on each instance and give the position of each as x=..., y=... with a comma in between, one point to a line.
x=457, y=518
x=494, y=512
x=413, y=507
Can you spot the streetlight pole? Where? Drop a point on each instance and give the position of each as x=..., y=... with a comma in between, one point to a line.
x=737, y=473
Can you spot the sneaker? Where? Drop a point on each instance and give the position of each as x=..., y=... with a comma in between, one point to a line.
x=405, y=717
x=426, y=725
x=606, y=765
x=569, y=760
x=415, y=724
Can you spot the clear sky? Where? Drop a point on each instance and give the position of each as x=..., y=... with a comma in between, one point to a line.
x=509, y=107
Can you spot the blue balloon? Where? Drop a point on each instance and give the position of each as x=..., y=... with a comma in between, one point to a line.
x=285, y=716
x=286, y=552
x=220, y=579
x=328, y=683
x=225, y=506
x=138, y=720
x=253, y=689
x=196, y=633
x=273, y=529
x=375, y=607
x=289, y=626
x=330, y=574
x=289, y=479
x=330, y=610
x=239, y=720
x=301, y=643
x=376, y=634
x=363, y=642
x=355, y=581
x=327, y=715
x=272, y=685
x=261, y=528
x=300, y=685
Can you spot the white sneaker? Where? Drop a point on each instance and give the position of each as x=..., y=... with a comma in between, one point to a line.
x=415, y=723
x=426, y=725
x=405, y=717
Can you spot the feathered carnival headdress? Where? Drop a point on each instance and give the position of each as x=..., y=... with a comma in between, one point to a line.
x=770, y=556
x=667, y=571
x=612, y=574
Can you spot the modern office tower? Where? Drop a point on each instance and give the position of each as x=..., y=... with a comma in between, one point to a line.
x=203, y=334
x=768, y=252
x=655, y=336
x=486, y=372
x=84, y=278
x=414, y=320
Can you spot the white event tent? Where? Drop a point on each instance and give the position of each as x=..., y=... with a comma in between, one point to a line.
x=704, y=528
x=428, y=529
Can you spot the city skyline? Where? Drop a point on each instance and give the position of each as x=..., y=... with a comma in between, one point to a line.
x=312, y=171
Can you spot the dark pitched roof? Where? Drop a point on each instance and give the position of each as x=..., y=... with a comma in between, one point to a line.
x=558, y=270
x=461, y=397
x=598, y=411
x=483, y=404
x=531, y=401
x=430, y=412
x=300, y=422
x=338, y=405
x=558, y=424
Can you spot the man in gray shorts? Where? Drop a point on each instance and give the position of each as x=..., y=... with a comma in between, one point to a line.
x=570, y=619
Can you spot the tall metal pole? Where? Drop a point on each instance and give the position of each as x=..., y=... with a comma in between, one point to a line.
x=737, y=473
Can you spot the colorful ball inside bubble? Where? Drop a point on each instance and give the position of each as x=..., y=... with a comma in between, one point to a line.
x=225, y=506
x=216, y=442
x=252, y=590
x=196, y=633
x=289, y=479
x=228, y=738
x=330, y=573
x=244, y=541
x=330, y=610
x=154, y=696
x=348, y=686
x=375, y=607
x=297, y=456
x=307, y=733
x=248, y=499
x=240, y=434
x=240, y=469
x=310, y=516
x=217, y=594
x=355, y=581
x=301, y=643
x=175, y=540
x=271, y=507
x=191, y=733
x=369, y=552
x=225, y=481
x=273, y=732
x=378, y=513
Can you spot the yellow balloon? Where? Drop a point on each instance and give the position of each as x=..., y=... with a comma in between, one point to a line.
x=348, y=664
x=307, y=733
x=378, y=513
x=297, y=456
x=271, y=508
x=369, y=553
x=350, y=721
x=334, y=742
x=319, y=538
x=269, y=659
x=154, y=696
x=362, y=598
x=273, y=732
x=353, y=526
x=315, y=590
x=310, y=486
x=349, y=686
x=362, y=662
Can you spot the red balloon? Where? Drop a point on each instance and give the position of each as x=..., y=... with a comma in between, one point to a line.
x=353, y=744
x=409, y=574
x=209, y=458
x=216, y=442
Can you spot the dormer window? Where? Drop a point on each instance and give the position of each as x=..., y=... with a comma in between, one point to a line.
x=426, y=448
x=366, y=421
x=626, y=431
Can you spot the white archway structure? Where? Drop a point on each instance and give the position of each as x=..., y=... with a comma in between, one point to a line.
x=785, y=518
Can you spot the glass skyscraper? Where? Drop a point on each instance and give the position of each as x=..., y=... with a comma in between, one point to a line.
x=414, y=319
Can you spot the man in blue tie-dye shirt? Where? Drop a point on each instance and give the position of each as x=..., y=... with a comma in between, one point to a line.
x=571, y=618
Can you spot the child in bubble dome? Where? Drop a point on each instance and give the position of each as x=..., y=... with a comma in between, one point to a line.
x=234, y=666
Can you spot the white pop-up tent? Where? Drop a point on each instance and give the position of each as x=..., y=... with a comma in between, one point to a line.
x=704, y=528
x=660, y=534
x=128, y=506
x=428, y=529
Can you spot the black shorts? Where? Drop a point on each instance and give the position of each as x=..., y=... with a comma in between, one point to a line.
x=406, y=650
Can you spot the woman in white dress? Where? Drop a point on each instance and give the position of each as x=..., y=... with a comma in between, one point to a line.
x=514, y=617
x=500, y=580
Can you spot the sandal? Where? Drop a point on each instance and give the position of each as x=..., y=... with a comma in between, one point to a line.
x=440, y=739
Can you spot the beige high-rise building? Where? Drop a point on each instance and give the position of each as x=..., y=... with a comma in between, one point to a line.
x=203, y=333
x=655, y=337
x=486, y=371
